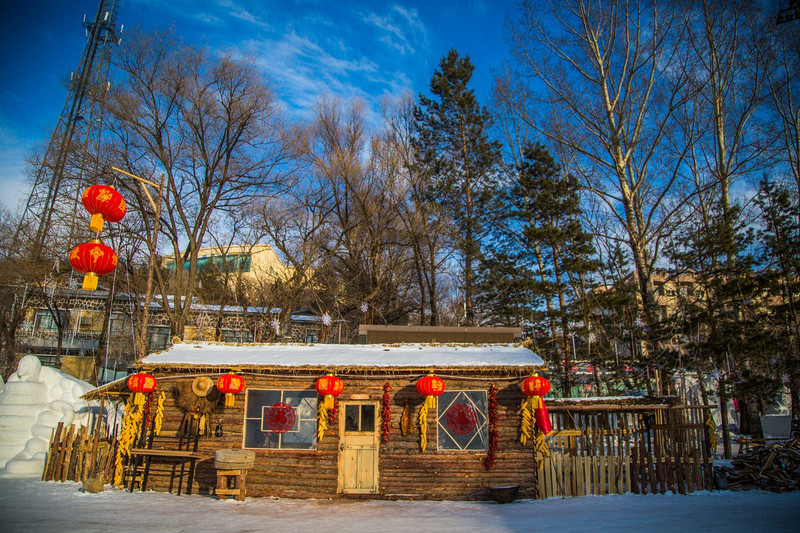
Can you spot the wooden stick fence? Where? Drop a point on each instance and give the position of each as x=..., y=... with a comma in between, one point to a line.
x=641, y=449
x=77, y=454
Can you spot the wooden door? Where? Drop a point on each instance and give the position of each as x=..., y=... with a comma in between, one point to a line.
x=358, y=447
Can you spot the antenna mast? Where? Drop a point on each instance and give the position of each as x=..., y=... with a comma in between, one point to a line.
x=69, y=162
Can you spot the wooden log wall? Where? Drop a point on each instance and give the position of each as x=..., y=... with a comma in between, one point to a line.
x=404, y=471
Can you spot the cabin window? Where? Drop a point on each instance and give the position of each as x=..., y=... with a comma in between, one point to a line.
x=282, y=419
x=462, y=421
x=359, y=418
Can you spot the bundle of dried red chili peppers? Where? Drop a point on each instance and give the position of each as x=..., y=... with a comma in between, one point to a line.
x=489, y=461
x=386, y=413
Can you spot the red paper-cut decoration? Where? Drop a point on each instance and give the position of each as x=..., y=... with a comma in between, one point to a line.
x=280, y=417
x=461, y=419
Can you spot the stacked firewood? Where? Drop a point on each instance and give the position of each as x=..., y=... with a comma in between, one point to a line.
x=774, y=467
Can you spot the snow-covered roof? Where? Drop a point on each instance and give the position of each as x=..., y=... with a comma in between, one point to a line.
x=350, y=355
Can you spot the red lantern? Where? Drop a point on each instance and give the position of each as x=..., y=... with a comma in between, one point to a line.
x=430, y=386
x=536, y=386
x=142, y=384
x=329, y=386
x=93, y=259
x=230, y=384
x=104, y=203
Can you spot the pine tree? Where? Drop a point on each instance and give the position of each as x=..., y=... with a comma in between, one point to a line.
x=458, y=159
x=543, y=208
x=780, y=238
x=723, y=322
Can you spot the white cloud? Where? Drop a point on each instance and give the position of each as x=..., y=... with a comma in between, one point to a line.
x=237, y=11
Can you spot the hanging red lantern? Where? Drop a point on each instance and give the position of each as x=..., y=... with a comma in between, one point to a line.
x=430, y=386
x=329, y=386
x=535, y=387
x=104, y=203
x=230, y=384
x=93, y=259
x=142, y=384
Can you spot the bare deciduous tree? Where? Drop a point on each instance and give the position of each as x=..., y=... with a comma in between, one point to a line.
x=605, y=71
x=211, y=124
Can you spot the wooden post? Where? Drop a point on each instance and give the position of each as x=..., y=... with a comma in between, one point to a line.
x=52, y=456
x=67, y=455
x=96, y=438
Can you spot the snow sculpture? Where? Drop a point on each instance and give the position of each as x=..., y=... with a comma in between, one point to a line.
x=33, y=401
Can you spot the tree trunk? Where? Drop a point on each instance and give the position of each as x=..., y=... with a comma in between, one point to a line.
x=723, y=413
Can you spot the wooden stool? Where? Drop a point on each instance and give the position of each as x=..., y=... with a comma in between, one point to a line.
x=224, y=478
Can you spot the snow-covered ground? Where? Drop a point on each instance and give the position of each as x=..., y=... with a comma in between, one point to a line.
x=28, y=505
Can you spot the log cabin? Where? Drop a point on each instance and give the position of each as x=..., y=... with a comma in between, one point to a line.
x=378, y=440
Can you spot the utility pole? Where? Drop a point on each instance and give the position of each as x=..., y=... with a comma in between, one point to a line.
x=152, y=245
x=66, y=167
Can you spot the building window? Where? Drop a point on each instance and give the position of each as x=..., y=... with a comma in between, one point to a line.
x=461, y=421
x=86, y=323
x=157, y=338
x=282, y=419
x=45, y=321
x=121, y=324
x=230, y=263
x=236, y=335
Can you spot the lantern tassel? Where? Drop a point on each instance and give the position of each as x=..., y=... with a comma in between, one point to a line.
x=229, y=399
x=536, y=402
x=327, y=402
x=90, y=282
x=430, y=402
x=139, y=399
x=96, y=223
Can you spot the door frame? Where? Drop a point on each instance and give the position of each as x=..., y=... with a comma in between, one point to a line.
x=375, y=446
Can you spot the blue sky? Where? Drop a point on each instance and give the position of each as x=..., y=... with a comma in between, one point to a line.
x=367, y=49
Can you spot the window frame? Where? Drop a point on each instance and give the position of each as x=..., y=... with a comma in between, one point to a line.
x=482, y=431
x=45, y=315
x=305, y=395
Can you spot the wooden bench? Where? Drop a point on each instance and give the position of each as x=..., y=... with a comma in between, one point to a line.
x=154, y=452
x=185, y=451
